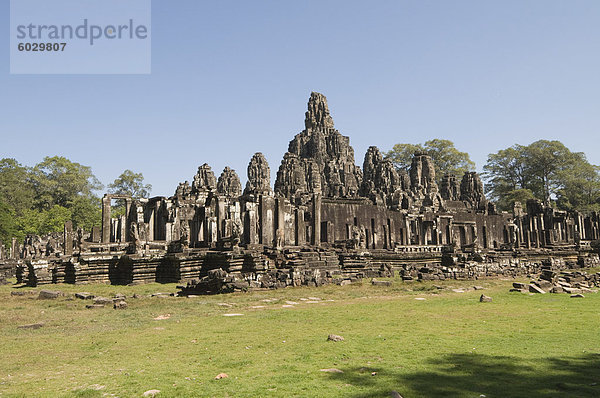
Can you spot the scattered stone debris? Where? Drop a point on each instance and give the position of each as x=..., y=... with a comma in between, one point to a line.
x=335, y=337
x=103, y=300
x=151, y=393
x=31, y=326
x=162, y=295
x=233, y=314
x=84, y=296
x=395, y=394
x=373, y=373
x=577, y=295
x=120, y=305
x=375, y=282
x=48, y=295
x=485, y=299
x=569, y=282
x=162, y=317
x=536, y=289
x=221, y=376
x=478, y=288
x=332, y=370
x=93, y=306
x=23, y=293
x=420, y=298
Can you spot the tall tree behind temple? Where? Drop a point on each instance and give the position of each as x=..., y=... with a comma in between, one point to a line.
x=41, y=199
x=58, y=181
x=447, y=159
x=546, y=170
x=130, y=183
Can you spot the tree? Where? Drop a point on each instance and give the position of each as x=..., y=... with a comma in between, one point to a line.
x=506, y=173
x=580, y=187
x=54, y=219
x=16, y=188
x=86, y=213
x=446, y=158
x=545, y=170
x=58, y=181
x=546, y=163
x=8, y=224
x=130, y=183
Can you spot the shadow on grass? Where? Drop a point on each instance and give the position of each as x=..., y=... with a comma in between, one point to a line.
x=470, y=375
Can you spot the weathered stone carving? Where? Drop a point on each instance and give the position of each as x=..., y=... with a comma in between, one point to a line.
x=259, y=176
x=204, y=180
x=471, y=190
x=422, y=174
x=229, y=183
x=183, y=189
x=319, y=150
x=450, y=188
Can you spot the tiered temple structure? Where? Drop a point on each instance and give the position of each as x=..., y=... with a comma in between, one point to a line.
x=326, y=220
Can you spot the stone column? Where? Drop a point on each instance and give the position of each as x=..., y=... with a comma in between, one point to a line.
x=127, y=237
x=14, y=251
x=316, y=225
x=106, y=219
x=280, y=218
x=266, y=210
x=68, y=238
x=300, y=228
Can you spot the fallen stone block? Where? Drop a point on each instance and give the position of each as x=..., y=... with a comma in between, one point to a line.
x=92, y=306
x=485, y=299
x=103, y=300
x=335, y=337
x=84, y=296
x=577, y=296
x=31, y=326
x=381, y=283
x=120, y=305
x=48, y=295
x=536, y=289
x=332, y=370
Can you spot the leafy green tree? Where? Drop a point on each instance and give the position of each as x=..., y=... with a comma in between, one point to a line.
x=54, y=219
x=546, y=170
x=130, y=183
x=8, y=225
x=580, y=187
x=16, y=188
x=546, y=165
x=86, y=213
x=446, y=158
x=58, y=181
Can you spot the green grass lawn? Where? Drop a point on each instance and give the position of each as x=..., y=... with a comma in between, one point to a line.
x=448, y=345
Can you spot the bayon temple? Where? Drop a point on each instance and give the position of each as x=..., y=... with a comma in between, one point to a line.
x=326, y=220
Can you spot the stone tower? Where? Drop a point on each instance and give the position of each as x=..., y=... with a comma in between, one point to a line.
x=319, y=159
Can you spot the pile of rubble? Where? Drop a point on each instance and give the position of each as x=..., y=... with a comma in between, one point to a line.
x=575, y=283
x=219, y=281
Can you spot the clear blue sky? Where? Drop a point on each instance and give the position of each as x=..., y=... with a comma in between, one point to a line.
x=230, y=78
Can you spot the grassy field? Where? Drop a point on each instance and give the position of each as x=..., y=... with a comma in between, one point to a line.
x=447, y=345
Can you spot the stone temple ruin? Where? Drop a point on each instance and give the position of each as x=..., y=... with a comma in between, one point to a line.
x=325, y=221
